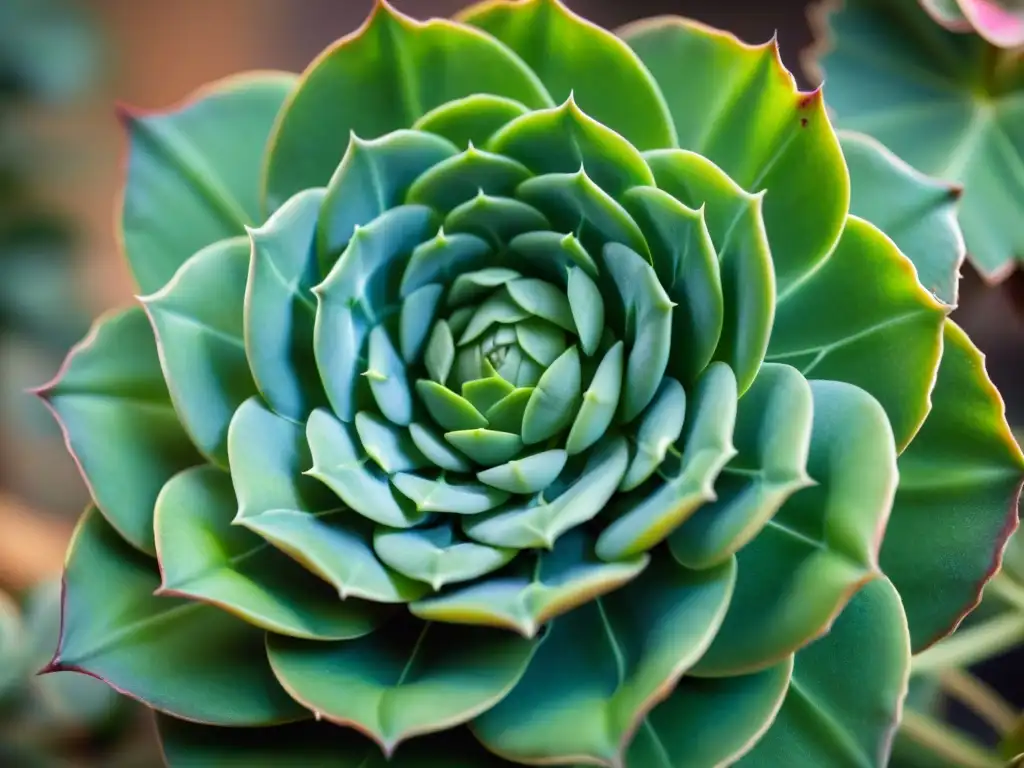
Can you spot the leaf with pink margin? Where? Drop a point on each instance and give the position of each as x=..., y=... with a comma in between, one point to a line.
x=113, y=406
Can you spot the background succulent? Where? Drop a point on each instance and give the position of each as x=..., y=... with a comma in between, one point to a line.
x=57, y=721
x=48, y=57
x=950, y=104
x=576, y=379
x=1000, y=22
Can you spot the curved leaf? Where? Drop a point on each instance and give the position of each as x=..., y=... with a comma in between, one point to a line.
x=204, y=557
x=573, y=56
x=957, y=499
x=201, y=161
x=113, y=406
x=594, y=695
x=711, y=721
x=471, y=119
x=385, y=76
x=748, y=118
x=827, y=721
x=876, y=327
x=372, y=178
x=736, y=224
x=412, y=679
x=198, y=318
x=280, y=309
x=221, y=675
x=821, y=546
x=917, y=212
x=559, y=580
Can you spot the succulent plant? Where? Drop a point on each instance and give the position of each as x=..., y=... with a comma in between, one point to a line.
x=1000, y=22
x=509, y=391
x=951, y=105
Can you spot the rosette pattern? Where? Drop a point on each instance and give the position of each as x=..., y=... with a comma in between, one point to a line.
x=535, y=406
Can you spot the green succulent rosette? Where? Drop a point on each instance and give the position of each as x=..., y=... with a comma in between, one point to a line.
x=508, y=391
x=951, y=105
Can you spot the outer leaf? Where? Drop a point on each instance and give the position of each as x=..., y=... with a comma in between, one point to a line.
x=876, y=326
x=594, y=695
x=132, y=639
x=917, y=212
x=411, y=679
x=822, y=546
x=946, y=103
x=202, y=162
x=825, y=719
x=385, y=76
x=573, y=56
x=280, y=308
x=118, y=422
x=312, y=745
x=711, y=721
x=203, y=556
x=198, y=320
x=751, y=121
x=957, y=500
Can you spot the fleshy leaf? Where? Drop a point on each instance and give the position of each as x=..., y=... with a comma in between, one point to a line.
x=917, y=212
x=390, y=447
x=711, y=721
x=750, y=120
x=471, y=119
x=389, y=382
x=355, y=294
x=113, y=406
x=639, y=642
x=396, y=69
x=827, y=721
x=948, y=104
x=221, y=675
x=452, y=182
x=340, y=463
x=566, y=139
x=882, y=334
x=821, y=546
x=372, y=178
x=412, y=679
x=280, y=309
x=337, y=547
x=506, y=415
x=528, y=475
x=203, y=163
x=203, y=556
x=564, y=578
x=735, y=221
x=441, y=496
x=660, y=427
x=772, y=438
x=538, y=522
x=962, y=473
x=268, y=455
x=486, y=446
x=687, y=265
x=645, y=519
x=436, y=556
x=553, y=404
x=600, y=402
x=434, y=447
x=198, y=318
x=574, y=56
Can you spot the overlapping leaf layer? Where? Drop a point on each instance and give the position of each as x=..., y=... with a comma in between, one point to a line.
x=564, y=402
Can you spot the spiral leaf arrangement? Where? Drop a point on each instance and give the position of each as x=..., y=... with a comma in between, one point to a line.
x=538, y=404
